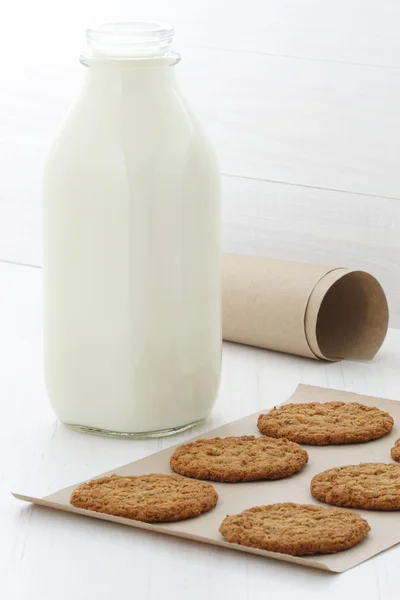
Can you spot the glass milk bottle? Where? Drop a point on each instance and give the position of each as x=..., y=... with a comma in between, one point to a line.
x=131, y=264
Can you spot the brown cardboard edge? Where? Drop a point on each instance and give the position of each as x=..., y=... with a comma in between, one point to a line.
x=315, y=299
x=305, y=561
x=372, y=329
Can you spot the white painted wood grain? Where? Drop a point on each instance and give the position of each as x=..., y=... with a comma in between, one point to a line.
x=47, y=554
x=320, y=124
x=311, y=225
x=353, y=31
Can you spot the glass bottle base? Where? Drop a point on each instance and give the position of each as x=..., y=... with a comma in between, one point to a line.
x=131, y=435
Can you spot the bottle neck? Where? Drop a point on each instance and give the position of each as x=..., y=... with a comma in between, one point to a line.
x=131, y=56
x=128, y=58
x=139, y=42
x=136, y=76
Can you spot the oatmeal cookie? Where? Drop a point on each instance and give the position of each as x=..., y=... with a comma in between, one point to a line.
x=150, y=498
x=395, y=451
x=372, y=486
x=326, y=423
x=234, y=459
x=295, y=529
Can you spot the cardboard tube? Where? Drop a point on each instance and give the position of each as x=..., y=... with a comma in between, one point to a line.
x=300, y=308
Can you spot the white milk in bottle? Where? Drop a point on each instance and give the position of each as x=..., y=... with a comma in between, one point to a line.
x=131, y=259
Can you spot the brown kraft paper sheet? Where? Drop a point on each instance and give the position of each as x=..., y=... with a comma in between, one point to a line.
x=233, y=498
x=310, y=310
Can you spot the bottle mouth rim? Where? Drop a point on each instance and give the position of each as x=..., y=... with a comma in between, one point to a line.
x=139, y=39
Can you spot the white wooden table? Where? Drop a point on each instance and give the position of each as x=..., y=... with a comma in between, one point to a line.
x=50, y=555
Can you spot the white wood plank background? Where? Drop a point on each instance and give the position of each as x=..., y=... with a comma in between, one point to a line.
x=301, y=100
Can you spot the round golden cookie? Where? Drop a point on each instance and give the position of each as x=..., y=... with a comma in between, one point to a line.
x=150, y=498
x=372, y=486
x=395, y=451
x=234, y=459
x=321, y=424
x=295, y=529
